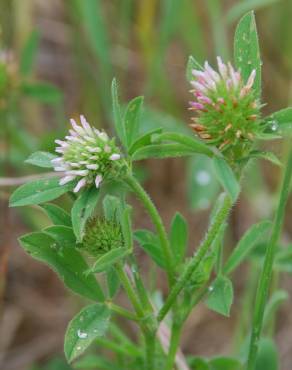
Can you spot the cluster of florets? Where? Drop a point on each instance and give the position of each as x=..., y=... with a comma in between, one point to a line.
x=87, y=155
x=227, y=109
x=101, y=236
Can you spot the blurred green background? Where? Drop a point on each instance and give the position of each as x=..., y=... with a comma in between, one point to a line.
x=57, y=60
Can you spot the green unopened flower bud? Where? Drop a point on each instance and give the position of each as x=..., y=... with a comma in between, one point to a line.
x=101, y=236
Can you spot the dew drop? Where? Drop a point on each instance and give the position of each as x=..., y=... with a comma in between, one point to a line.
x=78, y=348
x=81, y=334
x=274, y=126
x=203, y=177
x=211, y=288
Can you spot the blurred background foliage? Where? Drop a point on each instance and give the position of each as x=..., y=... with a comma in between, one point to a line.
x=57, y=60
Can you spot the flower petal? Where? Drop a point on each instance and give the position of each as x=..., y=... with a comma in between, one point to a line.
x=79, y=185
x=98, y=180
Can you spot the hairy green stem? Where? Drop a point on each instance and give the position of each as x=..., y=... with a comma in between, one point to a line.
x=266, y=274
x=174, y=344
x=198, y=257
x=156, y=219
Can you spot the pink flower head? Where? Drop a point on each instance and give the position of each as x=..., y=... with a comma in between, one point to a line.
x=226, y=107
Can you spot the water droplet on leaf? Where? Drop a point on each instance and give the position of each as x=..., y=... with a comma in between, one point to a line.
x=81, y=334
x=203, y=177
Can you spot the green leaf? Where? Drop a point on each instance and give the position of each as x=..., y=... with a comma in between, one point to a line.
x=280, y=121
x=162, y=151
x=226, y=177
x=38, y=191
x=63, y=235
x=225, y=363
x=113, y=282
x=126, y=225
x=220, y=296
x=267, y=358
x=242, y=7
x=43, y=92
x=118, y=121
x=145, y=236
x=41, y=159
x=66, y=262
x=196, y=145
x=28, y=53
x=90, y=323
x=108, y=259
x=246, y=243
x=143, y=140
x=57, y=214
x=246, y=50
x=178, y=237
x=150, y=244
x=131, y=119
x=268, y=156
x=192, y=64
x=82, y=209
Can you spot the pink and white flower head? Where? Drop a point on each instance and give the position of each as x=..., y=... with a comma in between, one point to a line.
x=226, y=107
x=86, y=155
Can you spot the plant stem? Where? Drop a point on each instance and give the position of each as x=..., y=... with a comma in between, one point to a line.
x=141, y=290
x=156, y=219
x=130, y=291
x=150, y=351
x=198, y=257
x=148, y=330
x=173, y=346
x=122, y=311
x=265, y=277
